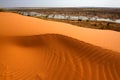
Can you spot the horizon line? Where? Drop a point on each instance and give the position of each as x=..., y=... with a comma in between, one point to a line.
x=60, y=7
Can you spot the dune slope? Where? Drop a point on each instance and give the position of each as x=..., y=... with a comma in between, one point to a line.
x=35, y=49
x=12, y=24
x=56, y=57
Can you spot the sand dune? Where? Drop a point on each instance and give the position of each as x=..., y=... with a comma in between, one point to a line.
x=12, y=24
x=56, y=57
x=34, y=49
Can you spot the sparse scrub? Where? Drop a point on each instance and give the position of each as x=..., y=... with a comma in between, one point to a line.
x=105, y=13
x=2, y=10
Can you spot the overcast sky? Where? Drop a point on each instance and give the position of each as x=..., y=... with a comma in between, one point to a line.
x=60, y=3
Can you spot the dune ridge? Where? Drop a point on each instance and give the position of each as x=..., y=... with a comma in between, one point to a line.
x=12, y=24
x=35, y=49
x=56, y=57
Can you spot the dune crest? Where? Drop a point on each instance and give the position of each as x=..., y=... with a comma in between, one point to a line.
x=56, y=57
x=35, y=49
x=12, y=24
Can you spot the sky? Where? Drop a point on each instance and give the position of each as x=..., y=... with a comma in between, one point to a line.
x=60, y=3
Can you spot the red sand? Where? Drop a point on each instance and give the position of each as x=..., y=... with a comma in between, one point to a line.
x=31, y=49
x=14, y=25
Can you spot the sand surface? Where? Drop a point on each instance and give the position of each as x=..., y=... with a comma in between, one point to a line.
x=35, y=49
x=17, y=25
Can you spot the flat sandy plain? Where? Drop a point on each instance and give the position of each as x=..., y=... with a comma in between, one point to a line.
x=35, y=49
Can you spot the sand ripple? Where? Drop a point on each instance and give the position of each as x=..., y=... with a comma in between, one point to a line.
x=56, y=57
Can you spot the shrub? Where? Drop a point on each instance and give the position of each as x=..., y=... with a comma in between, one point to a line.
x=2, y=10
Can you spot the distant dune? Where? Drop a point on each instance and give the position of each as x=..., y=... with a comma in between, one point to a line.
x=35, y=49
